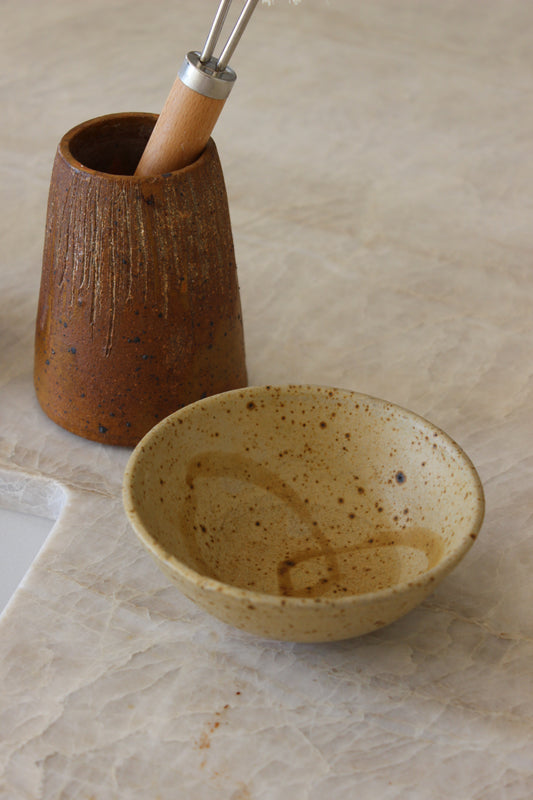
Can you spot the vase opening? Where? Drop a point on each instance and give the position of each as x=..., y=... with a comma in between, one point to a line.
x=112, y=145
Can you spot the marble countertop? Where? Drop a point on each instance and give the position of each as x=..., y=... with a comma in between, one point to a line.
x=378, y=164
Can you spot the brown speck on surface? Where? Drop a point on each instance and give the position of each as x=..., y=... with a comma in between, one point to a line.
x=242, y=792
x=204, y=741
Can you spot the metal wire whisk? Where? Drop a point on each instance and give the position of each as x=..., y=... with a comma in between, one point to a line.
x=196, y=99
x=234, y=38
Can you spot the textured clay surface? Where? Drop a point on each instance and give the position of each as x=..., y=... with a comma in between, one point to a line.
x=298, y=504
x=139, y=309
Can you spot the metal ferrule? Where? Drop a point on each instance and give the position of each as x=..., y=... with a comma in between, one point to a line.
x=204, y=78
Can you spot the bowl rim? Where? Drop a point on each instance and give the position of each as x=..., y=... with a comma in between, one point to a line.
x=213, y=585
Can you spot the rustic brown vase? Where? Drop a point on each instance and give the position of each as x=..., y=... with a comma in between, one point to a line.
x=139, y=309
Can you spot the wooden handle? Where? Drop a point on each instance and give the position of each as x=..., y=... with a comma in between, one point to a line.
x=181, y=132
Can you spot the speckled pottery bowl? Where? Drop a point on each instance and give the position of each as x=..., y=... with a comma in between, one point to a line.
x=303, y=513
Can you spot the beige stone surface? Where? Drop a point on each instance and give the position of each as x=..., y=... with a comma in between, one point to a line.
x=378, y=163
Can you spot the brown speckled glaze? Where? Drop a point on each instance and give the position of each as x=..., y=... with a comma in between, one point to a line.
x=302, y=512
x=139, y=310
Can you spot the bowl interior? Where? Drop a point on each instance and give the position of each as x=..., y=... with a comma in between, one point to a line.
x=302, y=492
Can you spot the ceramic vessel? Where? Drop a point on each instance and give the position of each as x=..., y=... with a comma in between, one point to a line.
x=303, y=513
x=139, y=310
